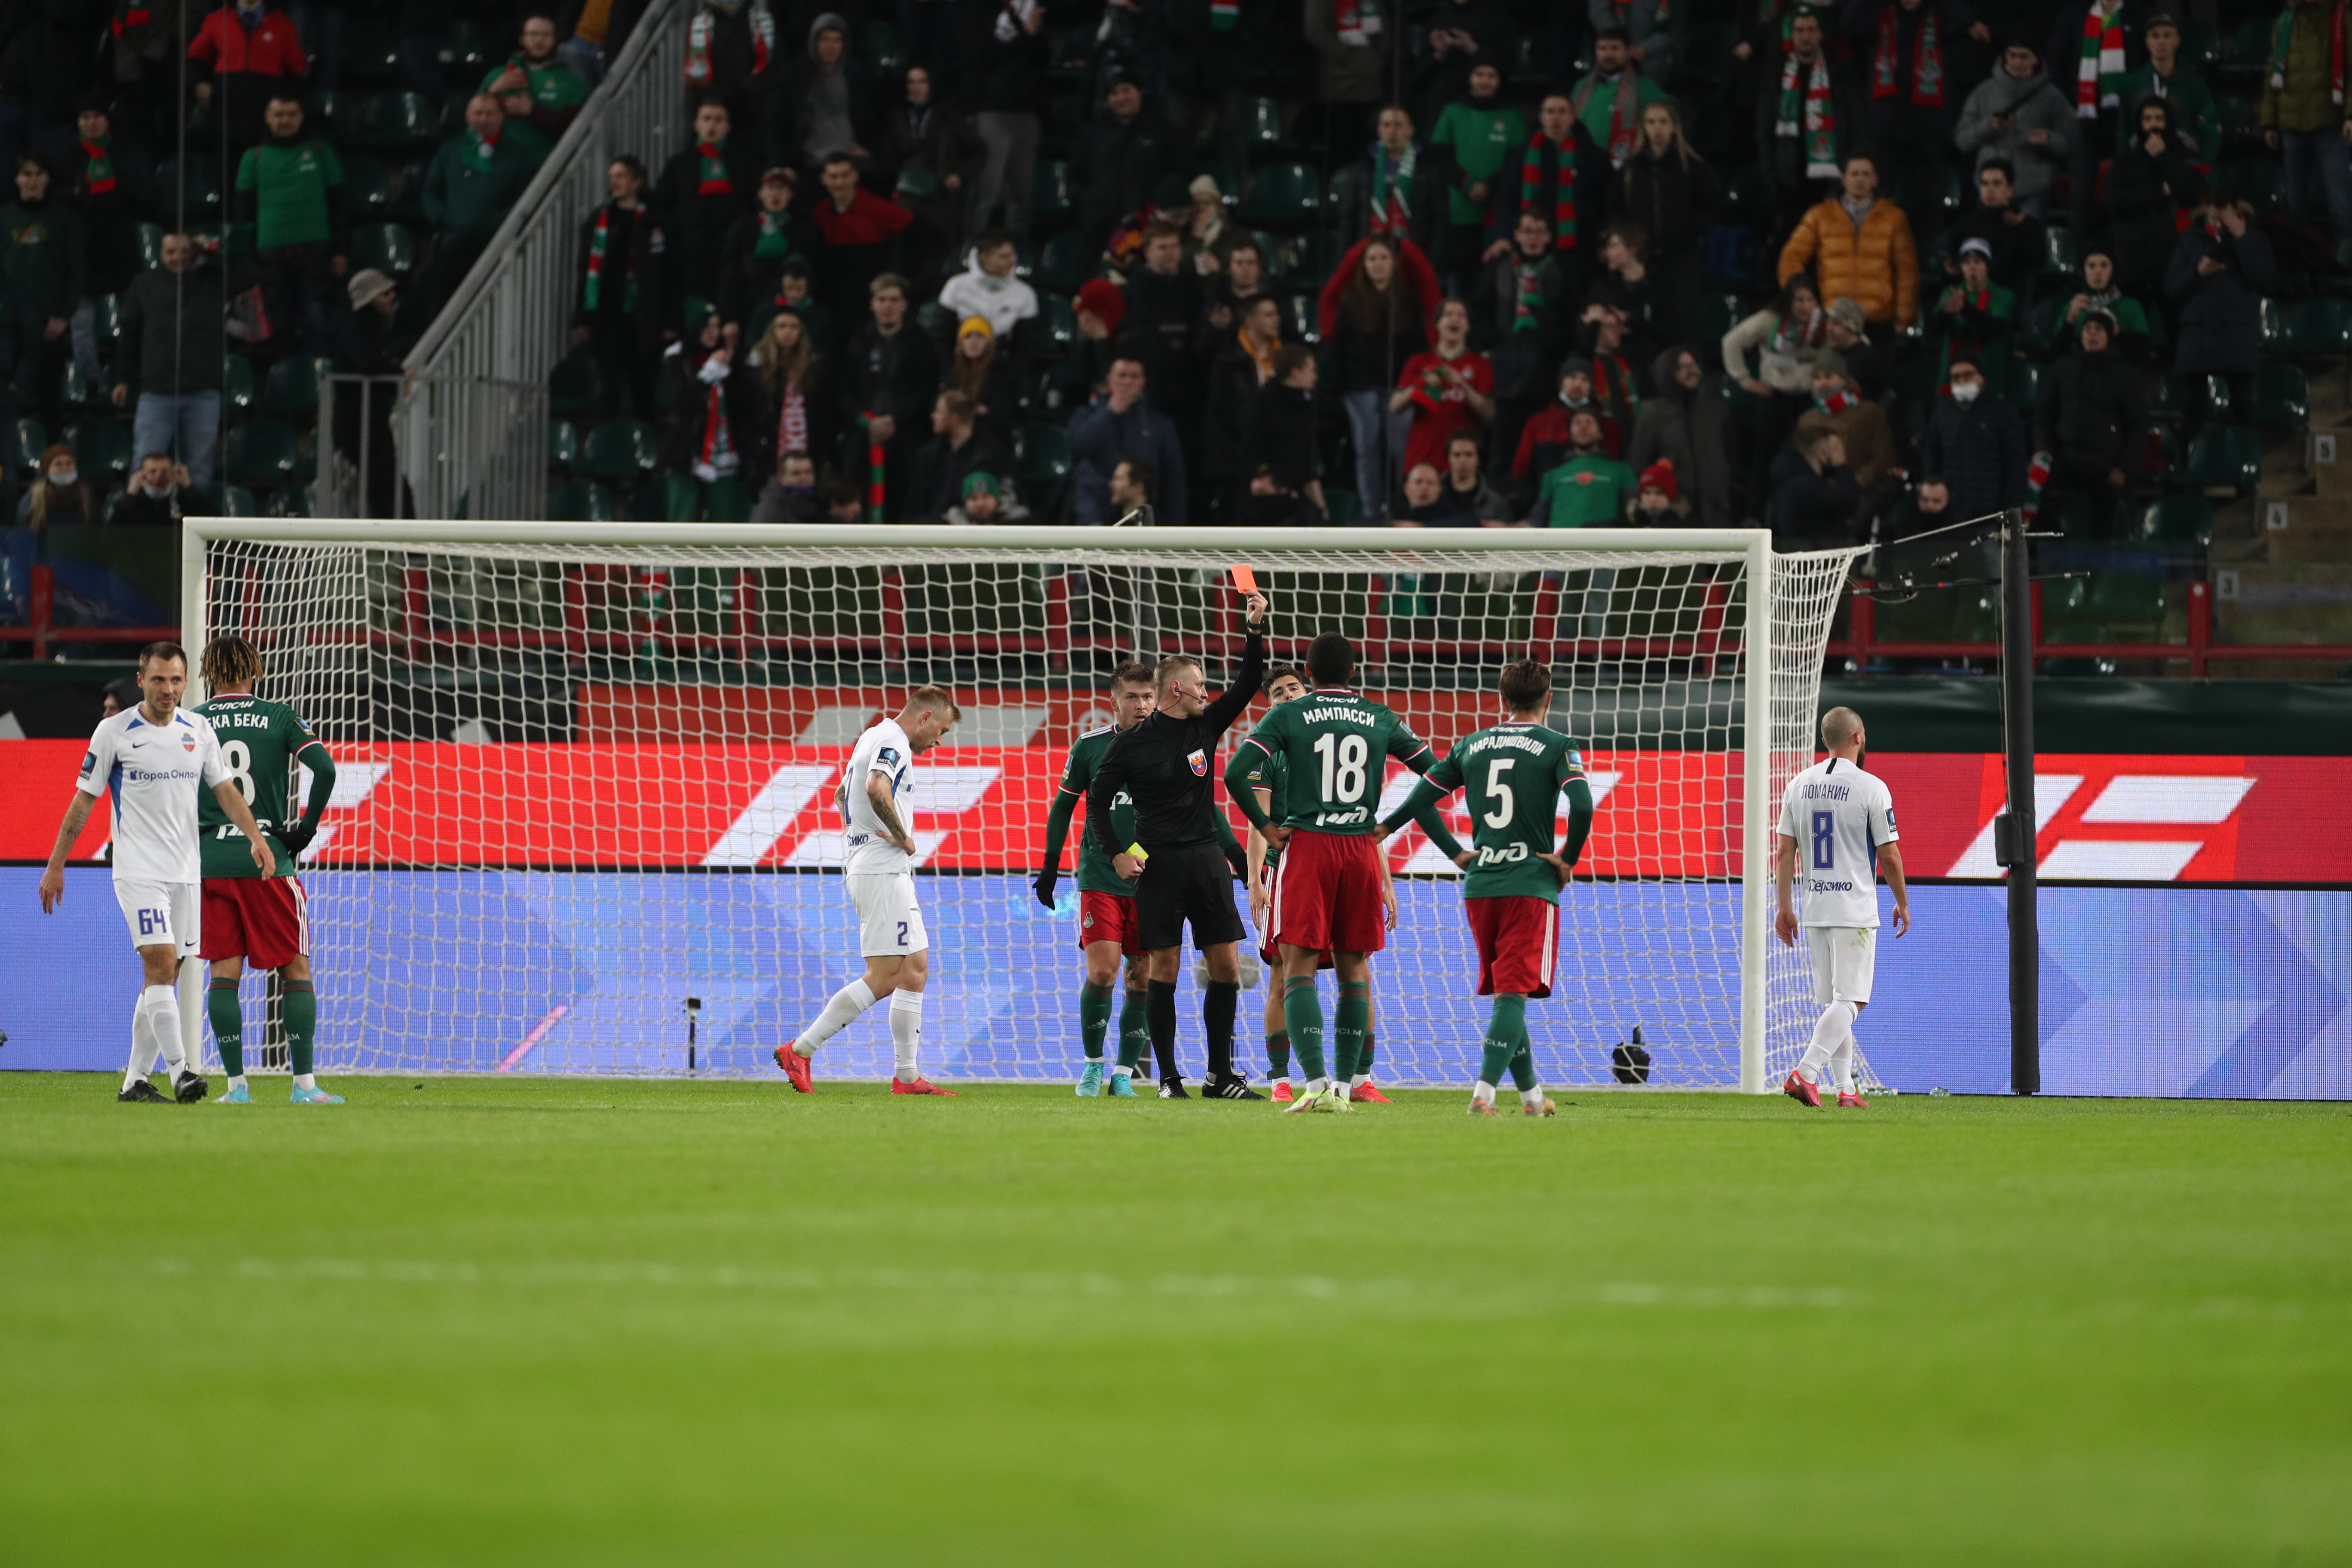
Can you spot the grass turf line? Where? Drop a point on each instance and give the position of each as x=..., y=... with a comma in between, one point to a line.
x=565, y=1322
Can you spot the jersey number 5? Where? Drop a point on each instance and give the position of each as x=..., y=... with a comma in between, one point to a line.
x=1824, y=841
x=1498, y=791
x=1343, y=766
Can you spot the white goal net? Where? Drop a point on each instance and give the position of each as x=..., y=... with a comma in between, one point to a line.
x=584, y=821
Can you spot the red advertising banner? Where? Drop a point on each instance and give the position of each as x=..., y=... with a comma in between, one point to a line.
x=1661, y=813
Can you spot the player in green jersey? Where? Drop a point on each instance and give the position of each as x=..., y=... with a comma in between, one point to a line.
x=1331, y=892
x=1284, y=683
x=1515, y=772
x=1108, y=928
x=247, y=915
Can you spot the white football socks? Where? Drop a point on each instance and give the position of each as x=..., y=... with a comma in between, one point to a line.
x=1482, y=1093
x=1532, y=1096
x=907, y=1032
x=846, y=1005
x=1842, y=1064
x=1836, y=1023
x=155, y=1022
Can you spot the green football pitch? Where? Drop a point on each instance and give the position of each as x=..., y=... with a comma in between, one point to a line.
x=578, y=1323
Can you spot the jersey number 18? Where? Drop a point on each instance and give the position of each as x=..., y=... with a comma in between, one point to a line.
x=1343, y=766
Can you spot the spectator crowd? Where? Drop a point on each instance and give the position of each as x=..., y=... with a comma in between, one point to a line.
x=1847, y=270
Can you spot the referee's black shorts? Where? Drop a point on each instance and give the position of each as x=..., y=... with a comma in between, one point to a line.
x=1192, y=885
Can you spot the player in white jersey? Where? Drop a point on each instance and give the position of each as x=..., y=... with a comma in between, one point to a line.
x=880, y=873
x=151, y=760
x=1835, y=821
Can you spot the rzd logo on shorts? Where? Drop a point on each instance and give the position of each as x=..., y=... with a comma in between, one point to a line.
x=1088, y=922
x=1199, y=760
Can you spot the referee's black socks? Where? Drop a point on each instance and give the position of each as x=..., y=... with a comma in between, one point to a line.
x=1162, y=1004
x=1217, y=1011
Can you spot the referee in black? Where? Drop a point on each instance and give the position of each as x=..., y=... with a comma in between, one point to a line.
x=1168, y=765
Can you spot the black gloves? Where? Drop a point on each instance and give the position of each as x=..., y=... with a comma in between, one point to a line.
x=297, y=837
x=1047, y=880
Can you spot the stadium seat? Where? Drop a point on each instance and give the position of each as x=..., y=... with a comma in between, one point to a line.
x=2201, y=45
x=575, y=387
x=295, y=500
x=2282, y=397
x=2222, y=457
x=368, y=52
x=1261, y=127
x=397, y=123
x=367, y=189
x=2039, y=334
x=194, y=179
x=1058, y=325
x=2273, y=326
x=1748, y=198
x=562, y=445
x=1931, y=196
x=262, y=453
x=1045, y=459
x=1718, y=314
x=2182, y=525
x=21, y=445
x=1050, y=199
x=2260, y=180
x=1923, y=616
x=235, y=501
x=385, y=247
x=2066, y=612
x=291, y=393
x=2241, y=128
x=877, y=40
x=2059, y=258
x=1347, y=507
x=581, y=500
x=151, y=244
x=1061, y=265
x=620, y=450
x=2025, y=387
x=327, y=114
x=101, y=448
x=2248, y=50
x=1302, y=323
x=74, y=390
x=1065, y=125
x=1069, y=53
x=238, y=384
x=2178, y=396
x=461, y=54
x=2080, y=520
x=2318, y=328
x=1281, y=196
x=727, y=500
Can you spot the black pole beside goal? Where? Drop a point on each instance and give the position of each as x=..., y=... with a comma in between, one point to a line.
x=2014, y=831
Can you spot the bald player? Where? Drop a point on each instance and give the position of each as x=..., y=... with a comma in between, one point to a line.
x=1836, y=821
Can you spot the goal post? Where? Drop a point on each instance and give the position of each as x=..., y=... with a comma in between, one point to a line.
x=585, y=769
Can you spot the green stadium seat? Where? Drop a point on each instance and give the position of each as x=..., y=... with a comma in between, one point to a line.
x=405, y=192
x=581, y=500
x=151, y=244
x=2025, y=387
x=2039, y=334
x=620, y=450
x=2222, y=457
x=235, y=501
x=1347, y=507
x=262, y=453
x=2241, y=128
x=368, y=52
x=1045, y=459
x=1261, y=127
x=1718, y=314
x=1050, y=200
x=295, y=500
x=387, y=247
x=1977, y=619
x=650, y=503
x=2257, y=180
x=2282, y=397
x=22, y=443
x=575, y=387
x=1931, y=196
x=1748, y=198
x=2178, y=523
x=877, y=40
x=195, y=181
x=2082, y=521
x=1281, y=196
x=74, y=389
x=1058, y=325
x=1304, y=324
x=1062, y=265
x=397, y=123
x=563, y=444
x=2059, y=258
x=2201, y=45
x=2318, y=328
x=2273, y=326
x=101, y=448
x=237, y=384
x=1228, y=176
x=291, y=393
x=367, y=189
x=2248, y=50
x=728, y=499
x=327, y=114
x=461, y=54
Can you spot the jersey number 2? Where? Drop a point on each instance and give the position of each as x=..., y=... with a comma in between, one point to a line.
x=1824, y=841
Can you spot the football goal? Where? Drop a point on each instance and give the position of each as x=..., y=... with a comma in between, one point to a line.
x=584, y=823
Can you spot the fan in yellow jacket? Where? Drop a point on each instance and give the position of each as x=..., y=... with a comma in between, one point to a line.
x=1859, y=247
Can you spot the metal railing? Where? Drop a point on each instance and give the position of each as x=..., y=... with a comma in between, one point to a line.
x=486, y=455
x=472, y=428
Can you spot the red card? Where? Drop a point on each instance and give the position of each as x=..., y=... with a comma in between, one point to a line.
x=1245, y=580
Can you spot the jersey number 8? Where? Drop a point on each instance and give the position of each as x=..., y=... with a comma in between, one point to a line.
x=1343, y=765
x=238, y=758
x=1824, y=841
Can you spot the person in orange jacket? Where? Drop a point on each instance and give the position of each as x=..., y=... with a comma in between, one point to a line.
x=1859, y=247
